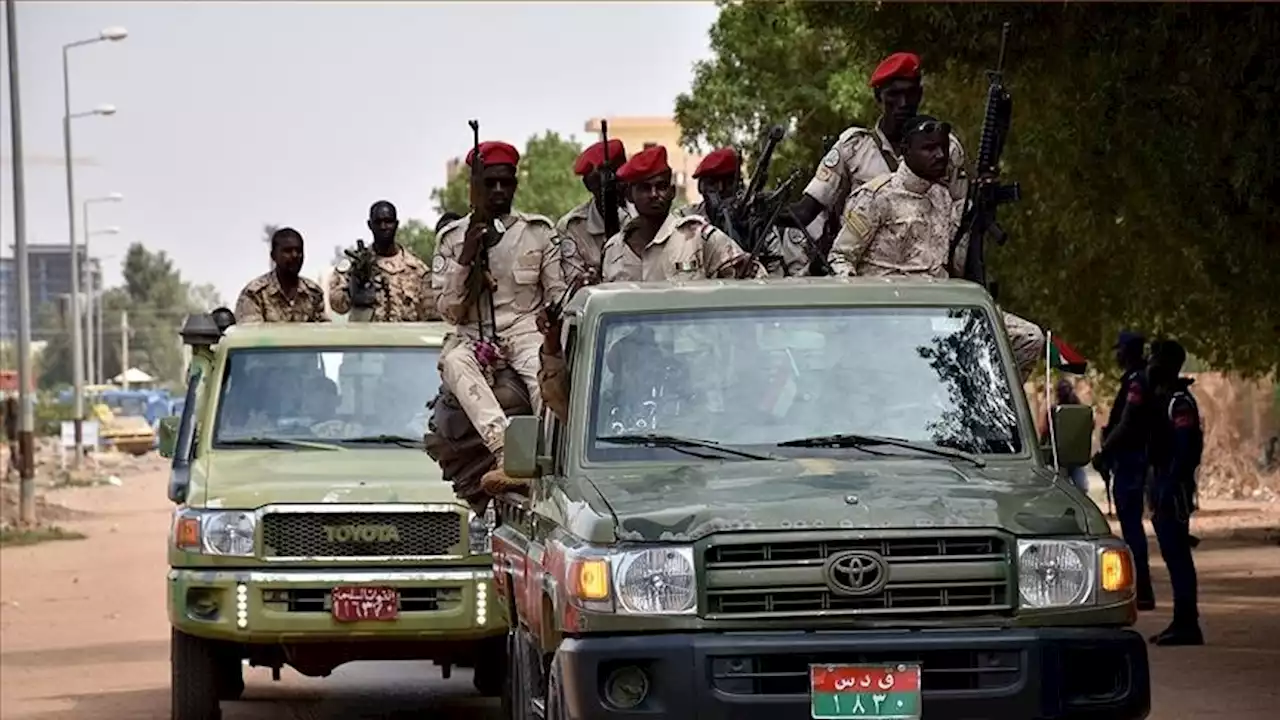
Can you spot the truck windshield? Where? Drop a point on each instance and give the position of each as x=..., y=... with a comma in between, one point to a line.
x=756, y=378
x=336, y=395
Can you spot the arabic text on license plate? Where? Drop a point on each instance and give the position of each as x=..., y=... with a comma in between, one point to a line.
x=357, y=602
x=881, y=692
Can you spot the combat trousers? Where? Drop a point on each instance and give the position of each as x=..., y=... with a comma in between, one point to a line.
x=1129, y=478
x=1171, y=516
x=1027, y=340
x=461, y=373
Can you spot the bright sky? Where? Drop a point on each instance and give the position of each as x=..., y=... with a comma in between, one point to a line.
x=233, y=115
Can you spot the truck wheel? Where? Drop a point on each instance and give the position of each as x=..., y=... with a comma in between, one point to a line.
x=490, y=674
x=518, y=686
x=193, y=685
x=556, y=706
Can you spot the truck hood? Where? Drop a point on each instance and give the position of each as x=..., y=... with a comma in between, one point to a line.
x=253, y=478
x=693, y=501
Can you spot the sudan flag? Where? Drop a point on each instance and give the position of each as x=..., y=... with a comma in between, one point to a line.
x=1065, y=358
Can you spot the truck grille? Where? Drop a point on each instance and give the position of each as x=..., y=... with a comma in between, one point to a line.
x=361, y=534
x=940, y=670
x=965, y=575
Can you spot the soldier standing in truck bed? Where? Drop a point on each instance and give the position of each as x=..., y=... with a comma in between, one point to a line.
x=582, y=228
x=902, y=223
x=719, y=176
x=282, y=295
x=861, y=154
x=402, y=280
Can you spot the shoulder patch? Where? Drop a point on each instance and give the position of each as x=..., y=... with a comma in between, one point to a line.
x=437, y=264
x=831, y=159
x=568, y=248
x=343, y=265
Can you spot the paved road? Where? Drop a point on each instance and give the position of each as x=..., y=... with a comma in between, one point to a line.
x=83, y=634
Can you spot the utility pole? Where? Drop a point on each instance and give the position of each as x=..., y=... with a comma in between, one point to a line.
x=124, y=345
x=26, y=413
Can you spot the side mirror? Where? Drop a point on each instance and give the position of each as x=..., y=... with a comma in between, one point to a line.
x=520, y=456
x=168, y=440
x=1073, y=432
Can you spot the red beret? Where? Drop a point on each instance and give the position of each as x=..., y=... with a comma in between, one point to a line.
x=898, y=65
x=496, y=152
x=722, y=161
x=593, y=157
x=645, y=164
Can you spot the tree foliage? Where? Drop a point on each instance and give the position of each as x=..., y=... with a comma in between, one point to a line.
x=156, y=299
x=1144, y=137
x=547, y=183
x=418, y=237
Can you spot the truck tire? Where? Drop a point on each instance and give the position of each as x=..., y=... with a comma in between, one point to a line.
x=193, y=684
x=230, y=676
x=556, y=707
x=490, y=673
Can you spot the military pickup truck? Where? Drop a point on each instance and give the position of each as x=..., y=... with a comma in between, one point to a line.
x=806, y=498
x=311, y=528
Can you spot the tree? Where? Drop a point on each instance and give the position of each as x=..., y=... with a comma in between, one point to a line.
x=1139, y=207
x=547, y=183
x=418, y=237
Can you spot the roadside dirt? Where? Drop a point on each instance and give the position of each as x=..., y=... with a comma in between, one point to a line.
x=83, y=629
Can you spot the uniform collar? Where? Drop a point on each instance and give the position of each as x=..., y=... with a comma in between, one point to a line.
x=885, y=144
x=912, y=182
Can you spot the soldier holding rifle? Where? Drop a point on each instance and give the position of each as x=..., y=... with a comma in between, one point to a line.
x=494, y=271
x=384, y=283
x=861, y=154
x=585, y=228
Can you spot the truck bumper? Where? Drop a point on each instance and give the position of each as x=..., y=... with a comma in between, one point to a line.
x=1049, y=673
x=293, y=606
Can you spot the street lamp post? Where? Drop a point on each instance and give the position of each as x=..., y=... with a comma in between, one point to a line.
x=91, y=290
x=77, y=352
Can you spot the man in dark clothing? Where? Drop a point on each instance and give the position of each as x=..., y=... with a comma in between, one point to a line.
x=1124, y=455
x=1177, y=441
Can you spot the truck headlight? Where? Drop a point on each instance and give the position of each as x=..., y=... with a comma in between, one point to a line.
x=1067, y=573
x=480, y=531
x=222, y=532
x=658, y=580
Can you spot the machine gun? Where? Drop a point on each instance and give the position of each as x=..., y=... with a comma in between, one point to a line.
x=478, y=283
x=985, y=195
x=360, y=281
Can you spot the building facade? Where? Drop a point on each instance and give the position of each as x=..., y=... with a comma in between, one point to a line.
x=50, y=270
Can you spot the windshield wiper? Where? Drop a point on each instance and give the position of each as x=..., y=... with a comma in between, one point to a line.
x=277, y=444
x=400, y=440
x=683, y=444
x=848, y=440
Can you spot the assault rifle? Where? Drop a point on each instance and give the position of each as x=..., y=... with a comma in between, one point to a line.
x=985, y=195
x=478, y=282
x=360, y=283
x=752, y=213
x=608, y=187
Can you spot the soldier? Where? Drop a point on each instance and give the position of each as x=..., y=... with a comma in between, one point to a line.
x=282, y=295
x=658, y=245
x=719, y=177
x=402, y=282
x=1177, y=441
x=582, y=228
x=902, y=223
x=654, y=245
x=861, y=155
x=523, y=258
x=1124, y=455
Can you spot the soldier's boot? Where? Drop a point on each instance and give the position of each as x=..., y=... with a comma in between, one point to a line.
x=497, y=482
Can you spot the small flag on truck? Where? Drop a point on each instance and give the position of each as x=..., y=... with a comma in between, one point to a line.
x=1065, y=358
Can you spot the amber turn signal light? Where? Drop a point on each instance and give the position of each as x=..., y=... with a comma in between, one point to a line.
x=1117, y=570
x=589, y=579
x=187, y=533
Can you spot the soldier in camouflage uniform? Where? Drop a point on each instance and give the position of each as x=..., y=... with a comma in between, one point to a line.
x=903, y=223
x=719, y=176
x=524, y=276
x=862, y=154
x=282, y=295
x=582, y=228
x=402, y=281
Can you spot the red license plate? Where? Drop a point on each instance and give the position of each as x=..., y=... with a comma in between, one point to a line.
x=354, y=603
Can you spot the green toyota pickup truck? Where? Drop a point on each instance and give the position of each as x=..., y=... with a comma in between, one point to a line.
x=311, y=529
x=806, y=498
